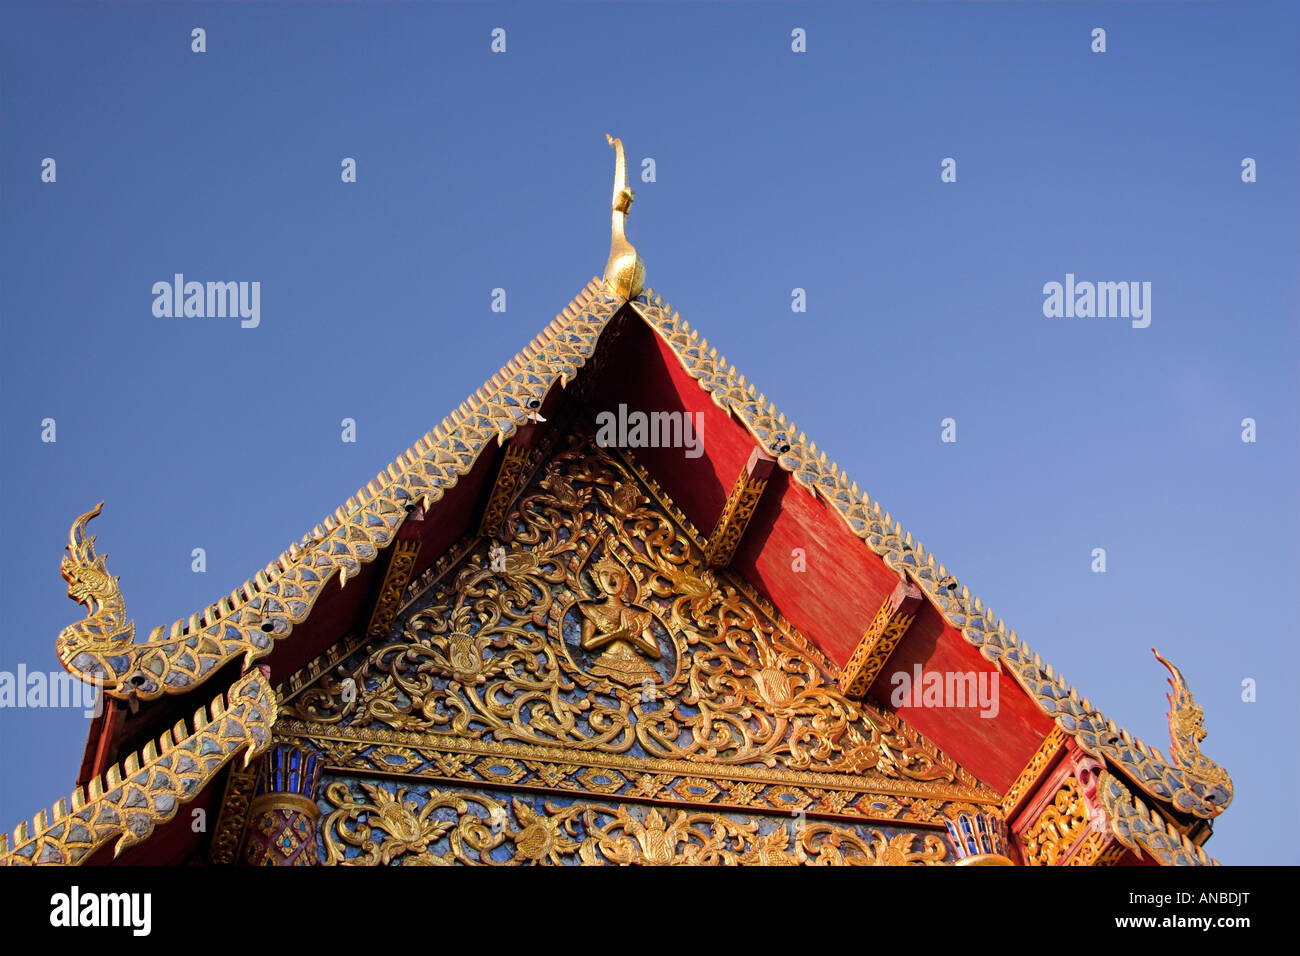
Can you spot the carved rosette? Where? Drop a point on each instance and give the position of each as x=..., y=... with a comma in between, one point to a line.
x=282, y=817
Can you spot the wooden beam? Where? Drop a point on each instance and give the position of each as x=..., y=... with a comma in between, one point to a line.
x=228, y=837
x=1043, y=760
x=510, y=475
x=103, y=753
x=398, y=574
x=887, y=629
x=739, y=508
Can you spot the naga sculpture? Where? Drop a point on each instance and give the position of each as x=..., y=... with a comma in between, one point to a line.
x=90, y=585
x=1187, y=730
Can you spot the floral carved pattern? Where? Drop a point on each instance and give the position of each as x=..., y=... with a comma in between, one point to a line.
x=603, y=631
x=372, y=823
x=1058, y=827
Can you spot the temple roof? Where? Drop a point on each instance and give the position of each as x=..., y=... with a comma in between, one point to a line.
x=858, y=554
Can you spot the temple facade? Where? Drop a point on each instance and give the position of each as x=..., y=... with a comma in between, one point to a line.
x=613, y=609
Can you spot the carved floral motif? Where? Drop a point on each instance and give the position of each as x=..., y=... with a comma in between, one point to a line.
x=369, y=823
x=602, y=630
x=1058, y=827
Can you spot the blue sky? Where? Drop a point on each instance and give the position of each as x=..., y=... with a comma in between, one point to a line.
x=775, y=170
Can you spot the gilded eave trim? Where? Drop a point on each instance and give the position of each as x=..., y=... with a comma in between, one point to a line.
x=149, y=787
x=1140, y=828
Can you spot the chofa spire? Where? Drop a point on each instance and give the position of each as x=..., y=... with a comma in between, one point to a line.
x=625, y=270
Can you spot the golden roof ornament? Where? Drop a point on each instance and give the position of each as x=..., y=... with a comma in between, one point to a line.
x=1186, y=731
x=625, y=270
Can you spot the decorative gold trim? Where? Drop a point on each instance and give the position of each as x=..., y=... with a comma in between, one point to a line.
x=733, y=688
x=318, y=665
x=149, y=787
x=241, y=784
x=887, y=628
x=175, y=661
x=1097, y=848
x=295, y=802
x=786, y=629
x=1140, y=828
x=370, y=824
x=652, y=780
x=393, y=588
x=1043, y=758
x=510, y=476
x=733, y=520
x=1057, y=828
x=435, y=572
x=474, y=691
x=1185, y=787
x=346, y=646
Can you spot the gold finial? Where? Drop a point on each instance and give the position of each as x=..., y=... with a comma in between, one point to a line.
x=625, y=270
x=1186, y=731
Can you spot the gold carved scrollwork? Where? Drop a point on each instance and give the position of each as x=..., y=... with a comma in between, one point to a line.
x=398, y=573
x=1058, y=827
x=602, y=630
x=734, y=519
x=885, y=632
x=377, y=825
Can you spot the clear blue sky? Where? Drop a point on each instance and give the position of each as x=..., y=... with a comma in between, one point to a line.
x=775, y=170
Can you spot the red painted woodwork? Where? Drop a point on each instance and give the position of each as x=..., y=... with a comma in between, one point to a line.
x=834, y=600
x=994, y=749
